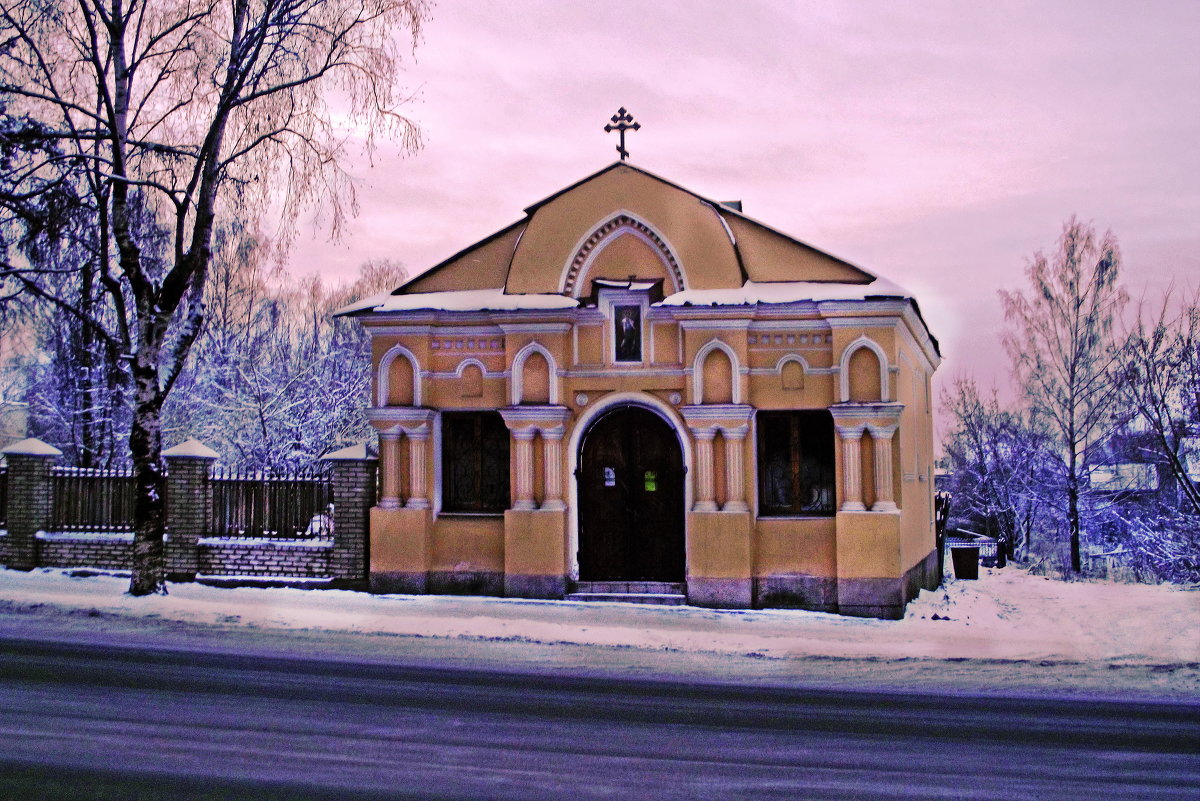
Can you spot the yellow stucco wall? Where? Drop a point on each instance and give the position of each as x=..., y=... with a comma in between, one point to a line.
x=400, y=541
x=795, y=545
x=719, y=545
x=868, y=545
x=914, y=457
x=467, y=543
x=627, y=255
x=535, y=542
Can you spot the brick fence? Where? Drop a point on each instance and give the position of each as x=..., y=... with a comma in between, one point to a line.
x=336, y=553
x=231, y=556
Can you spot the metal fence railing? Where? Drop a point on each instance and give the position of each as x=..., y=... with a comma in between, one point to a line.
x=271, y=506
x=91, y=499
x=241, y=504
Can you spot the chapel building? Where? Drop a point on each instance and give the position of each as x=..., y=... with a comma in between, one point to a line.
x=637, y=387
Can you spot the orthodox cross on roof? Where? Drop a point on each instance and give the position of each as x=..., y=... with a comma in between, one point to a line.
x=622, y=121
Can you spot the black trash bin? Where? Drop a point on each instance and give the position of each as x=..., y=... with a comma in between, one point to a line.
x=966, y=561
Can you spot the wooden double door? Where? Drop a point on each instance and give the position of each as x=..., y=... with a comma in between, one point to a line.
x=631, y=499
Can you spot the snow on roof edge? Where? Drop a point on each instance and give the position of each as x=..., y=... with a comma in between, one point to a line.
x=192, y=449
x=753, y=292
x=459, y=300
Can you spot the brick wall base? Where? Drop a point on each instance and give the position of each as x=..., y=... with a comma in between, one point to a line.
x=247, y=557
x=104, y=551
x=217, y=556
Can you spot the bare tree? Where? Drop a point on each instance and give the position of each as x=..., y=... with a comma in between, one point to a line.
x=998, y=459
x=275, y=381
x=149, y=117
x=1159, y=378
x=1062, y=350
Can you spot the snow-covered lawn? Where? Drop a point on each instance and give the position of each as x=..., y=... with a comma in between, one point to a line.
x=1006, y=617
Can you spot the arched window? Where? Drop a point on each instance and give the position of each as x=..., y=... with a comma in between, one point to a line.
x=863, y=372
x=716, y=379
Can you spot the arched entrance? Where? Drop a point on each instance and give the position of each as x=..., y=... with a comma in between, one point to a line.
x=631, y=499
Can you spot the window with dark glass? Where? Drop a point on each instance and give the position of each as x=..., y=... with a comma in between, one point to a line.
x=627, y=333
x=474, y=462
x=795, y=463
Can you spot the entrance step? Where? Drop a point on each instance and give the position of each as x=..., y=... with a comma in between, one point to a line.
x=662, y=593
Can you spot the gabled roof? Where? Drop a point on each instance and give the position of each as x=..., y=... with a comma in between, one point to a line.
x=465, y=253
x=726, y=210
x=727, y=257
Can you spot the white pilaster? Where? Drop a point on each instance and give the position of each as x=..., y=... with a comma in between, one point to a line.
x=851, y=469
x=705, y=489
x=523, y=439
x=552, y=453
x=885, y=500
x=389, y=458
x=735, y=479
x=419, y=492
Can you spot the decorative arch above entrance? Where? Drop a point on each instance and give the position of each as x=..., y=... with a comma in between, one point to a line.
x=631, y=505
x=620, y=224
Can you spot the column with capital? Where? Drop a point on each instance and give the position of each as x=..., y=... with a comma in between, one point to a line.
x=705, y=487
x=418, y=497
x=735, y=480
x=523, y=439
x=552, y=452
x=884, y=498
x=389, y=457
x=851, y=469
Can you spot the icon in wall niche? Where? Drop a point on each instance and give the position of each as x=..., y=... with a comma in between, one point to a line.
x=627, y=321
x=610, y=477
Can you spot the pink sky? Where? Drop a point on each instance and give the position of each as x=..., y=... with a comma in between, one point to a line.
x=938, y=144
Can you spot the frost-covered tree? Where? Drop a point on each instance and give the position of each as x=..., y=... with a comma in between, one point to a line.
x=275, y=381
x=1159, y=380
x=999, y=459
x=1063, y=355
x=135, y=117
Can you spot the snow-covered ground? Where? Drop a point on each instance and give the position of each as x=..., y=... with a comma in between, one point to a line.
x=1009, y=627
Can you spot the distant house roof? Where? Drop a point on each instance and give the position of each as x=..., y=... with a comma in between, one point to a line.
x=1127, y=477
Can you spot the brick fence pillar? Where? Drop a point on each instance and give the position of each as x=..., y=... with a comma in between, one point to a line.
x=353, y=496
x=189, y=467
x=29, y=498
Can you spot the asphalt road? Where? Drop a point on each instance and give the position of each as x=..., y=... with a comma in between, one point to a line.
x=91, y=721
